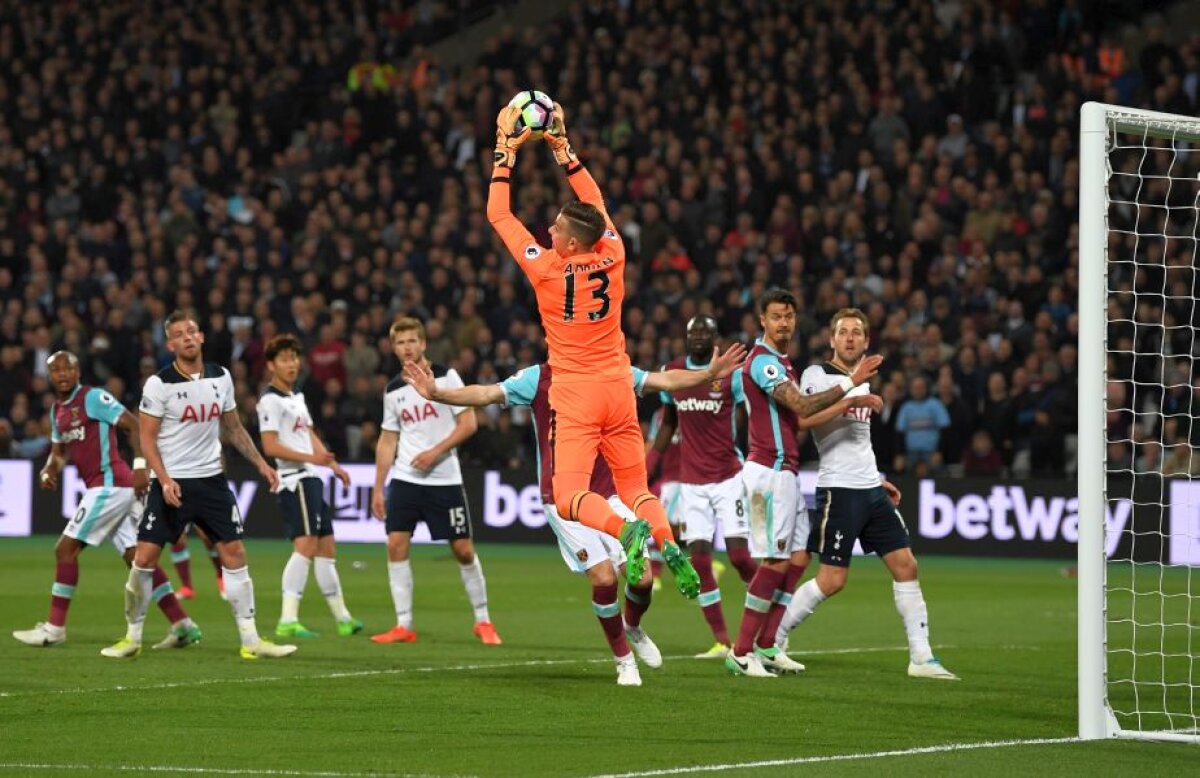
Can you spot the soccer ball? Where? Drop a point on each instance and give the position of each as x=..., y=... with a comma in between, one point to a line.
x=537, y=111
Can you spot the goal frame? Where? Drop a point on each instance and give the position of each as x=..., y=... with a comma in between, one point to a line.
x=1096, y=719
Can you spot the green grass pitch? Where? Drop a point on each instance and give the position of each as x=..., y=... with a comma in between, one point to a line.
x=546, y=703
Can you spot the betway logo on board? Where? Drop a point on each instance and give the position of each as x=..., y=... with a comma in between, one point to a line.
x=1010, y=513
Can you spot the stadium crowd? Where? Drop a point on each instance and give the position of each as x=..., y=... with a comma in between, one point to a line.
x=307, y=167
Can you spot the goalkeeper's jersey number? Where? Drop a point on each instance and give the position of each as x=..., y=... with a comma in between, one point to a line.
x=600, y=292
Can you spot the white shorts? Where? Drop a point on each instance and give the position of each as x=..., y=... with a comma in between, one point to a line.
x=704, y=506
x=669, y=496
x=583, y=547
x=107, y=512
x=774, y=498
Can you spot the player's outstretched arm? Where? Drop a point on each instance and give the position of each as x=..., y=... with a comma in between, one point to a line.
x=517, y=239
x=578, y=177
x=788, y=395
x=128, y=423
x=235, y=433
x=421, y=378
x=720, y=366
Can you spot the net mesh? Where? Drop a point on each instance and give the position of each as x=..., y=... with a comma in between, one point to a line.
x=1152, y=432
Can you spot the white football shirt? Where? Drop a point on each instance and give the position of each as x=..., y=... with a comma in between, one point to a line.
x=287, y=416
x=422, y=424
x=844, y=443
x=190, y=408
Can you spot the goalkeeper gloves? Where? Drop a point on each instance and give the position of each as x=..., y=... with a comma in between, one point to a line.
x=556, y=138
x=508, y=140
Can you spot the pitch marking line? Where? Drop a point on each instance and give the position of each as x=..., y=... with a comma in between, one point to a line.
x=218, y=771
x=948, y=747
x=398, y=671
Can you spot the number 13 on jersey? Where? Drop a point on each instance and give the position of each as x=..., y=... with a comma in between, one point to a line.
x=595, y=288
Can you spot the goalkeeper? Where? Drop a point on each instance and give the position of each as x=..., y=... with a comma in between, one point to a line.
x=580, y=288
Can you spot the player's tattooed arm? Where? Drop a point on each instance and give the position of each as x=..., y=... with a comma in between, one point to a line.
x=788, y=395
x=236, y=434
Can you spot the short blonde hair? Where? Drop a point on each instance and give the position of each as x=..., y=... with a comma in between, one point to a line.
x=407, y=324
x=850, y=313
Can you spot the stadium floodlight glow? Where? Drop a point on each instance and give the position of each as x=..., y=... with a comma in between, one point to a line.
x=1139, y=397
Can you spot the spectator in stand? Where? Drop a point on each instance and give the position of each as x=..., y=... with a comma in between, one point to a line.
x=955, y=436
x=928, y=176
x=920, y=423
x=327, y=359
x=981, y=459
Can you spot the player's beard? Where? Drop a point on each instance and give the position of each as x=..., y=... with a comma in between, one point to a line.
x=851, y=363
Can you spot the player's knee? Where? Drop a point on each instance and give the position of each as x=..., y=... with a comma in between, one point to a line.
x=67, y=549
x=306, y=546
x=831, y=580
x=397, y=546
x=232, y=555
x=567, y=503
x=146, y=556
x=700, y=547
x=905, y=570
x=602, y=575
x=463, y=550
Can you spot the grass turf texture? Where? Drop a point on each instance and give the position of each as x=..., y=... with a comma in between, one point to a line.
x=545, y=703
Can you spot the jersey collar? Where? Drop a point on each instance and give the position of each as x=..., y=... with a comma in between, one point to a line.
x=690, y=365
x=74, y=392
x=188, y=376
x=763, y=342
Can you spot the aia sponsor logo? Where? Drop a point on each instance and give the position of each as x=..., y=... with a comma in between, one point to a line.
x=418, y=413
x=201, y=414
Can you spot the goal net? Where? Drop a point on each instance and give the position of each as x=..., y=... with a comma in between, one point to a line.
x=1139, y=431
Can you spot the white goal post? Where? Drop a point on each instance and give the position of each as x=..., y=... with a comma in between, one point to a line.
x=1139, y=226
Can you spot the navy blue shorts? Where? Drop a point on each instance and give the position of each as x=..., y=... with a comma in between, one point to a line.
x=207, y=502
x=442, y=508
x=842, y=516
x=304, y=509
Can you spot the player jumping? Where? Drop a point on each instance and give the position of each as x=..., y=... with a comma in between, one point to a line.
x=580, y=288
x=585, y=550
x=288, y=435
x=83, y=425
x=710, y=472
x=854, y=503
